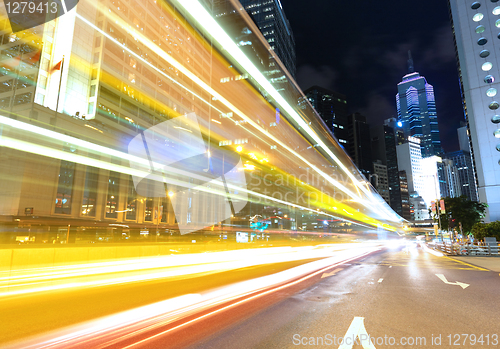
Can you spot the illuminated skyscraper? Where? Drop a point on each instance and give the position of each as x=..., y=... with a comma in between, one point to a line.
x=475, y=27
x=417, y=111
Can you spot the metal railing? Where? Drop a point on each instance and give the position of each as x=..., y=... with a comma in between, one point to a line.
x=467, y=249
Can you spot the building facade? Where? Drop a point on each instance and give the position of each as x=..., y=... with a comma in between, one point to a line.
x=384, y=149
x=332, y=108
x=381, y=180
x=359, y=145
x=407, y=212
x=451, y=177
x=410, y=160
x=467, y=182
x=274, y=26
x=475, y=26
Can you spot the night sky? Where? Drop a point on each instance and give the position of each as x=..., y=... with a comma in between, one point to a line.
x=360, y=49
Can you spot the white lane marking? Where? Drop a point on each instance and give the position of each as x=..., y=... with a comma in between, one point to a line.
x=380, y=280
x=461, y=284
x=357, y=330
x=335, y=271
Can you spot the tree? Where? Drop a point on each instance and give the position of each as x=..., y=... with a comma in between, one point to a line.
x=461, y=210
x=482, y=230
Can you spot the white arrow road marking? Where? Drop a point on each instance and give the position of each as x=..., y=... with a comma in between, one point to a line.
x=443, y=278
x=380, y=280
x=335, y=271
x=357, y=330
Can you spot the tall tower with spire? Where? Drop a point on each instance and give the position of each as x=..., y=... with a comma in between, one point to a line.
x=417, y=110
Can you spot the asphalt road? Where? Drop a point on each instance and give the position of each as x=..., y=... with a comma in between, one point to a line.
x=403, y=298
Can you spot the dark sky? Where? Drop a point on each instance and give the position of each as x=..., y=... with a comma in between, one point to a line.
x=360, y=49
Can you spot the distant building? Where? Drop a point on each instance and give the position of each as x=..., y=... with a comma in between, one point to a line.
x=384, y=141
x=405, y=196
x=381, y=182
x=475, y=28
x=463, y=162
x=417, y=111
x=398, y=131
x=332, y=107
x=422, y=174
x=359, y=145
x=418, y=207
x=410, y=160
x=433, y=185
x=449, y=181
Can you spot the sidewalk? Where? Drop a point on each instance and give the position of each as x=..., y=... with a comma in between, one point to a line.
x=491, y=263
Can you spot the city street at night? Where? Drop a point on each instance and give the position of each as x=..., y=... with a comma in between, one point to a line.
x=219, y=174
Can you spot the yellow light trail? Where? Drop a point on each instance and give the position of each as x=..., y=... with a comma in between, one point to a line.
x=111, y=330
x=17, y=282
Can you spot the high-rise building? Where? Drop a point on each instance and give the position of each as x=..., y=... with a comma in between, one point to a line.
x=332, y=107
x=410, y=160
x=463, y=162
x=384, y=149
x=381, y=180
x=475, y=27
x=273, y=24
x=449, y=179
x=417, y=111
x=405, y=196
x=359, y=145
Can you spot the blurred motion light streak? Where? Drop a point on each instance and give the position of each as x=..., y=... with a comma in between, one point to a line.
x=145, y=269
x=113, y=329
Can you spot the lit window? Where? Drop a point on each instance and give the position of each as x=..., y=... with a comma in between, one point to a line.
x=475, y=5
x=489, y=79
x=495, y=119
x=492, y=92
x=477, y=17
x=480, y=29
x=482, y=41
x=494, y=106
x=496, y=11
x=487, y=66
x=484, y=53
